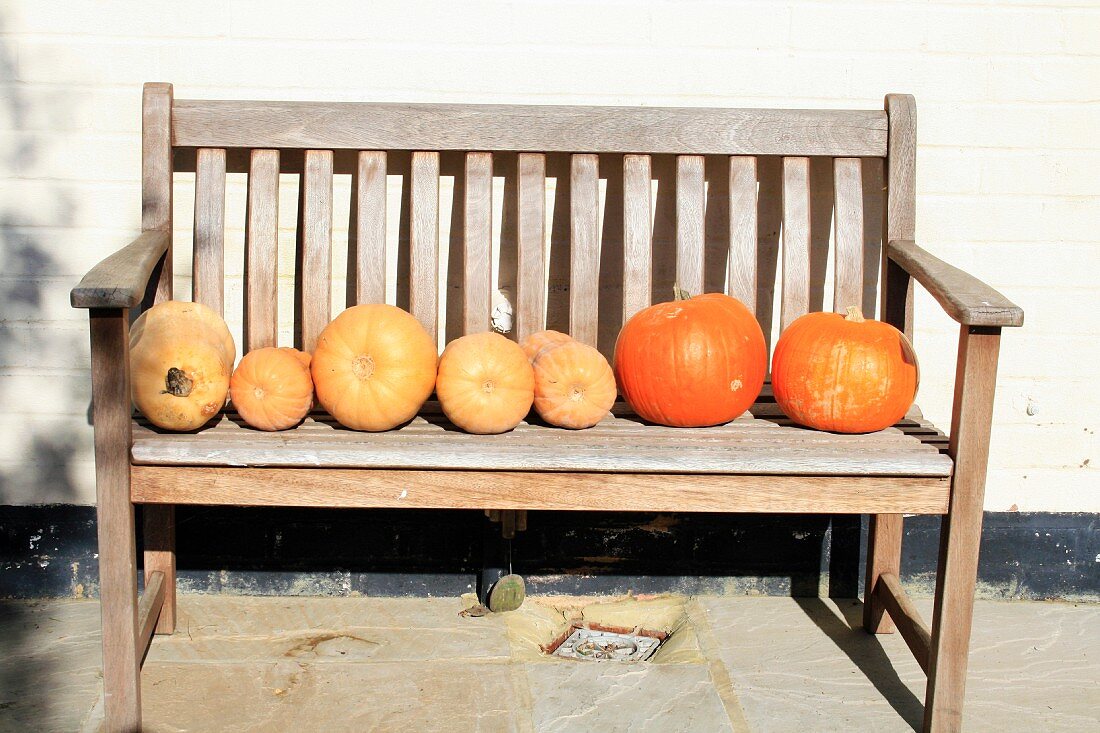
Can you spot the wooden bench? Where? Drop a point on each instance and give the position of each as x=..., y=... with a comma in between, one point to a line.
x=758, y=463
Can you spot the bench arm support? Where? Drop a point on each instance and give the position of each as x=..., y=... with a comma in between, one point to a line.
x=964, y=297
x=121, y=280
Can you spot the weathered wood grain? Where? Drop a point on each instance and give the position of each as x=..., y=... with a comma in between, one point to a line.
x=690, y=209
x=893, y=597
x=207, y=123
x=314, y=272
x=149, y=609
x=743, y=227
x=261, y=254
x=530, y=312
x=961, y=530
x=535, y=490
x=847, y=233
x=899, y=172
x=964, y=297
x=208, y=255
x=115, y=519
x=637, y=234
x=159, y=551
x=584, y=248
x=424, y=241
x=156, y=173
x=367, y=229
x=884, y=535
x=796, y=239
x=120, y=280
x=478, y=243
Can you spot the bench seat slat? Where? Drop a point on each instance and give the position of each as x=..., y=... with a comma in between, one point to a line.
x=621, y=443
x=568, y=491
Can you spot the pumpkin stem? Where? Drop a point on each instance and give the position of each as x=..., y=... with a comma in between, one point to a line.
x=177, y=383
x=680, y=293
x=855, y=315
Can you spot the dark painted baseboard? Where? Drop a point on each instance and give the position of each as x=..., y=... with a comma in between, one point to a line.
x=50, y=551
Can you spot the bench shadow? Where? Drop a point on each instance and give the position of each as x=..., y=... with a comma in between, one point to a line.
x=866, y=653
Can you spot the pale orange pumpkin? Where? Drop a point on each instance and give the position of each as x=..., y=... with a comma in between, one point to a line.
x=845, y=374
x=181, y=357
x=272, y=388
x=574, y=385
x=485, y=384
x=373, y=367
x=540, y=340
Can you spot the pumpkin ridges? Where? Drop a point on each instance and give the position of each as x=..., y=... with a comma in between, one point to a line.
x=286, y=384
x=467, y=365
x=562, y=368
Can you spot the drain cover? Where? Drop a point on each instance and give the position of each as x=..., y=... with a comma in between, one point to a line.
x=603, y=644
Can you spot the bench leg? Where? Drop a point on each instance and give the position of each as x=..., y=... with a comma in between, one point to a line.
x=494, y=560
x=159, y=531
x=115, y=513
x=883, y=556
x=961, y=530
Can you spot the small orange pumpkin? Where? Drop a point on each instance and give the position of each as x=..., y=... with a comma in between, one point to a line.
x=574, y=385
x=540, y=340
x=272, y=388
x=374, y=366
x=845, y=374
x=692, y=362
x=485, y=384
x=181, y=357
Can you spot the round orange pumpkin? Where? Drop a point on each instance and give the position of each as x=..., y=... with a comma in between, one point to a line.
x=181, y=357
x=272, y=388
x=574, y=385
x=373, y=367
x=845, y=374
x=540, y=340
x=486, y=383
x=691, y=362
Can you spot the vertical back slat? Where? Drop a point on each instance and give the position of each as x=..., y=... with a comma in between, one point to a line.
x=478, y=243
x=367, y=230
x=531, y=242
x=261, y=315
x=690, y=203
x=743, y=226
x=156, y=172
x=424, y=241
x=314, y=248
x=796, y=239
x=848, y=233
x=584, y=247
x=208, y=266
x=637, y=234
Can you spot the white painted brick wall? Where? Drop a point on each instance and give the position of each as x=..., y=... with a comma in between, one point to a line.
x=1008, y=163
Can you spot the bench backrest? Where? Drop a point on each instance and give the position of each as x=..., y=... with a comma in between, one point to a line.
x=727, y=182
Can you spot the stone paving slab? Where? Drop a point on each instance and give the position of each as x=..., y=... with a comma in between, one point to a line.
x=335, y=664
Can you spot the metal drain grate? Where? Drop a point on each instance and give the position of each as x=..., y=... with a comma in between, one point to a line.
x=606, y=644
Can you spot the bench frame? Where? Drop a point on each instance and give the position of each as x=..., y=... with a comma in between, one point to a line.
x=141, y=273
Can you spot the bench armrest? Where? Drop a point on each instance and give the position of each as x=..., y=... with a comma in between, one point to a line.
x=120, y=280
x=964, y=297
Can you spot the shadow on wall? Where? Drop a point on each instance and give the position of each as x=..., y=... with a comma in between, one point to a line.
x=44, y=447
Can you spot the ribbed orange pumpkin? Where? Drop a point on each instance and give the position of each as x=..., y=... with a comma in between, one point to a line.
x=373, y=368
x=272, y=388
x=691, y=362
x=574, y=385
x=540, y=340
x=181, y=357
x=485, y=384
x=846, y=374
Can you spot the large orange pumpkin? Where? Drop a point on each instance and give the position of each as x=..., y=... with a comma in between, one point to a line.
x=691, y=362
x=846, y=374
x=373, y=368
x=486, y=383
x=181, y=357
x=540, y=340
x=574, y=385
x=272, y=388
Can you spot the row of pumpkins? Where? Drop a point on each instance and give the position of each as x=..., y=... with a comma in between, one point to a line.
x=691, y=362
